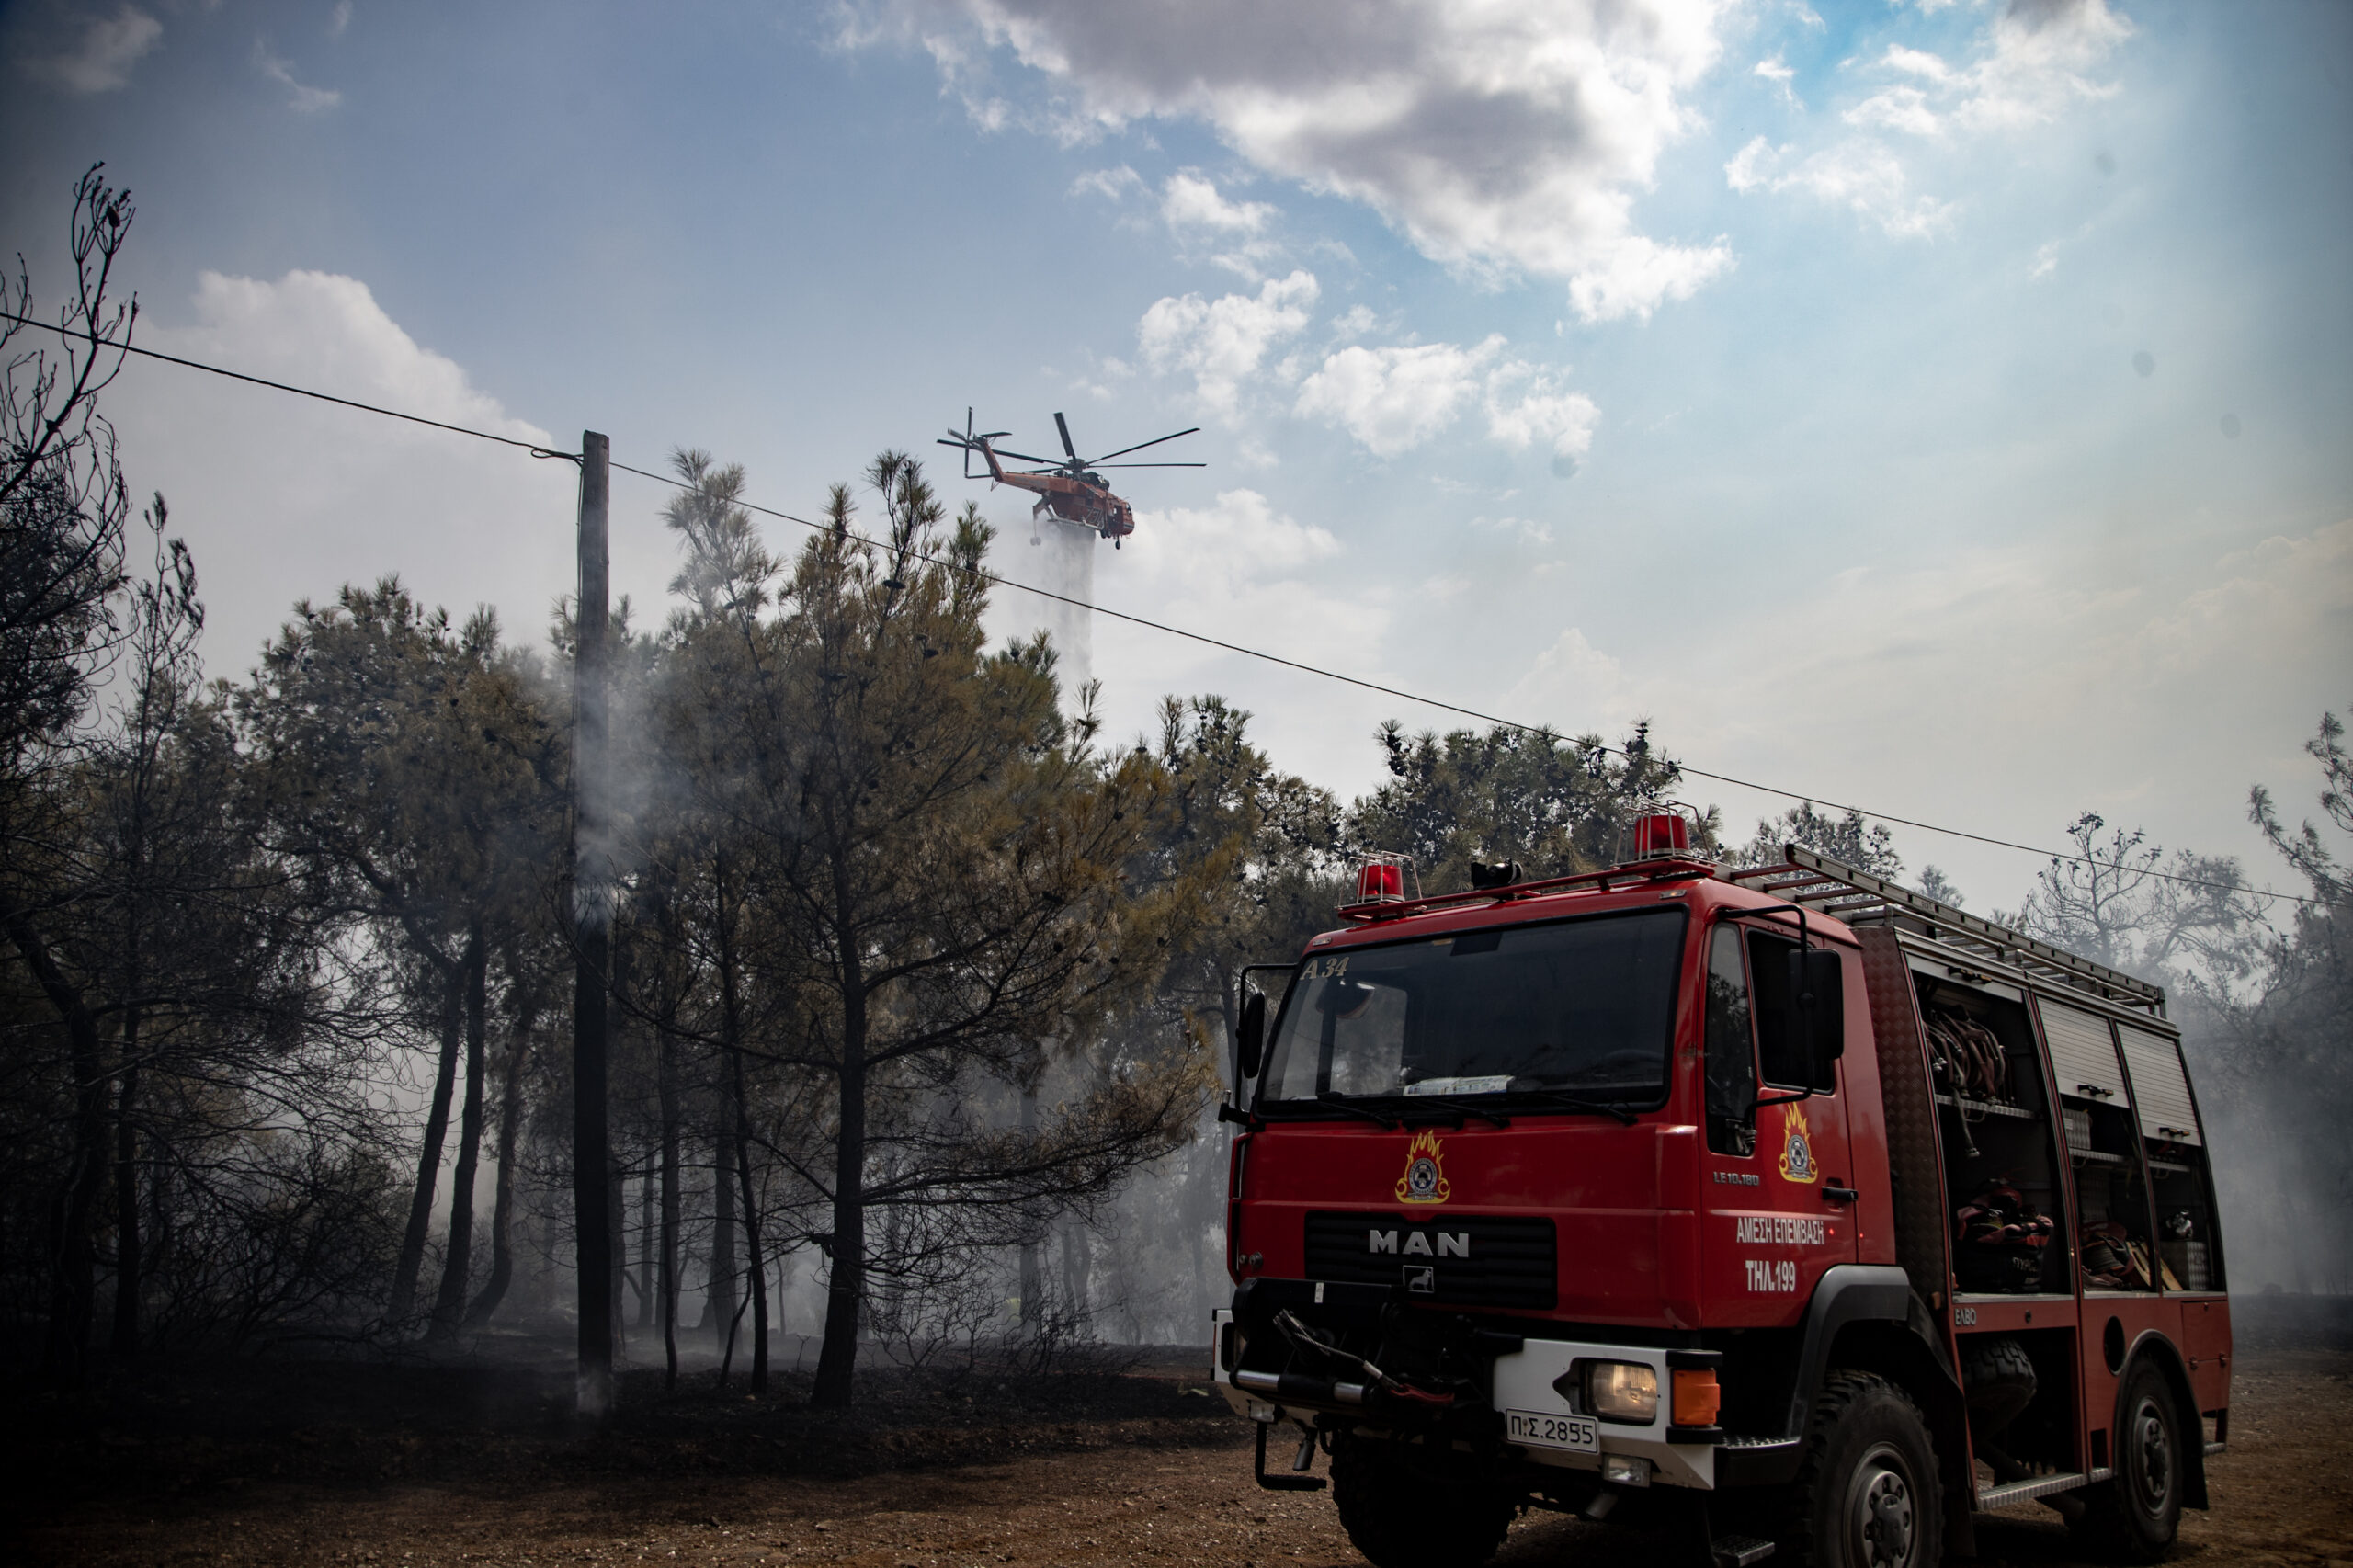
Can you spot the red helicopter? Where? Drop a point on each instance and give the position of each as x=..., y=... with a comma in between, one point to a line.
x=1069, y=489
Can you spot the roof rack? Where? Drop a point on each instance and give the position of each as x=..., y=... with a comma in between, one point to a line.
x=1664, y=868
x=1857, y=897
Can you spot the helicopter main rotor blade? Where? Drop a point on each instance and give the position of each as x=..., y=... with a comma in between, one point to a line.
x=1064, y=429
x=1147, y=465
x=1140, y=446
x=1028, y=458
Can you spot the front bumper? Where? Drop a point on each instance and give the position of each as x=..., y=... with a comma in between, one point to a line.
x=1522, y=1380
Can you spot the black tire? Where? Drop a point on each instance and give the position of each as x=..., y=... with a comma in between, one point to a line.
x=1400, y=1515
x=2134, y=1517
x=1867, y=1493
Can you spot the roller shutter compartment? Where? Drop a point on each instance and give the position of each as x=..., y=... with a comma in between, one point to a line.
x=2160, y=1086
x=2082, y=1055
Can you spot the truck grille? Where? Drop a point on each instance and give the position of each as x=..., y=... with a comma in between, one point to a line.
x=1457, y=1260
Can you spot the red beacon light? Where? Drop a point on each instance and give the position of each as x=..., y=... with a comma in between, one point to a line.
x=1382, y=878
x=1663, y=836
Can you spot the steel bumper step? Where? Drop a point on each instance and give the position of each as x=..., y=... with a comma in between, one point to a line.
x=2037, y=1486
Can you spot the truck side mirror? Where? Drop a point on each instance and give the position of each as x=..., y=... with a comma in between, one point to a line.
x=1818, y=1007
x=1250, y=1039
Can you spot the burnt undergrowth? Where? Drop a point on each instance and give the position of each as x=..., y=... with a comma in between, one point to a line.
x=191, y=1433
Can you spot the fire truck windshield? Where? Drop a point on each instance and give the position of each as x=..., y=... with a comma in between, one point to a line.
x=1583, y=1007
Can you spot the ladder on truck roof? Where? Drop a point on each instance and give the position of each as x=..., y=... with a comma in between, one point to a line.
x=1859, y=898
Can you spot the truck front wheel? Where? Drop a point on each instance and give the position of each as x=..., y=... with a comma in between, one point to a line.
x=1867, y=1493
x=1401, y=1515
x=2133, y=1517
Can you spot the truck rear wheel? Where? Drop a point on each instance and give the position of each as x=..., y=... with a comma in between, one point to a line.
x=1400, y=1515
x=1867, y=1494
x=2134, y=1517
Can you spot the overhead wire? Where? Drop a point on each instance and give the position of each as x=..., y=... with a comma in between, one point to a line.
x=2055, y=856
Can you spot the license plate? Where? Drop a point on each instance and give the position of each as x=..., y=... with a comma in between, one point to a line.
x=1573, y=1433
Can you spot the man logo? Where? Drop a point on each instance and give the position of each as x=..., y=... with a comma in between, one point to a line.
x=1451, y=1244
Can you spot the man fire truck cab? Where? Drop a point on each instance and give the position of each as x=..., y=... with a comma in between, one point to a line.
x=1782, y=1204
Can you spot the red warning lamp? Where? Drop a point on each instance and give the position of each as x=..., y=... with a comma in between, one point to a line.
x=1661, y=836
x=1382, y=878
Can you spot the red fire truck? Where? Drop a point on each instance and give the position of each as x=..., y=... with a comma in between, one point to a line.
x=1782, y=1204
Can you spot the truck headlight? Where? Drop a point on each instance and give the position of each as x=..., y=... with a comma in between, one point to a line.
x=1622, y=1391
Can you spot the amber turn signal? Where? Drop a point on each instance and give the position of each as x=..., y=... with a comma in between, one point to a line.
x=1698, y=1400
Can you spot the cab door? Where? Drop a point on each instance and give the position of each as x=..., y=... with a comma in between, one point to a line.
x=1777, y=1194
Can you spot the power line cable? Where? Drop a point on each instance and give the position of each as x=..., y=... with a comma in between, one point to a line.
x=104, y=346
x=2056, y=857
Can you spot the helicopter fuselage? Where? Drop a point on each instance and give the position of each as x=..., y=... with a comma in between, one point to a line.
x=1090, y=505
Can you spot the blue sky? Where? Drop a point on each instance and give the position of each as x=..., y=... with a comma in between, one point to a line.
x=1943, y=407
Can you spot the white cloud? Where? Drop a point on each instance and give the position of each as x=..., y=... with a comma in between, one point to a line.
x=1197, y=214
x=2041, y=49
x=2046, y=260
x=1782, y=77
x=1863, y=175
x=302, y=99
x=1396, y=398
x=282, y=498
x=1640, y=274
x=340, y=21
x=2030, y=68
x=100, y=60
x=1897, y=109
x=1512, y=135
x=1221, y=343
x=1113, y=185
x=1190, y=203
x=1575, y=688
x=1917, y=63
x=1525, y=405
x=1528, y=528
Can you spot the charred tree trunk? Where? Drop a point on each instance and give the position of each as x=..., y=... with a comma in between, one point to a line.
x=647, y=1232
x=846, y=1281
x=1032, y=1277
x=616, y=1227
x=73, y=1258
x=754, y=1266
x=449, y=1307
x=667, y=1087
x=731, y=1023
x=403, y=1304
x=718, y=1298
x=501, y=1213
x=1078, y=1258
x=126, y=1257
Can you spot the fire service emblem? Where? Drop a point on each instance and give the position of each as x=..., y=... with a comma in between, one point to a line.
x=1797, y=1148
x=1425, y=1179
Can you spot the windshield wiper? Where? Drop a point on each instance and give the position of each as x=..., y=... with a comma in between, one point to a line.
x=1331, y=1097
x=1460, y=1107
x=1572, y=1102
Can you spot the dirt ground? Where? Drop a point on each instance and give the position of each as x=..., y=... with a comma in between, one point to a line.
x=460, y=1468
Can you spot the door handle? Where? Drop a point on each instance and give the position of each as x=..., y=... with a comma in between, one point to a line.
x=1840, y=1194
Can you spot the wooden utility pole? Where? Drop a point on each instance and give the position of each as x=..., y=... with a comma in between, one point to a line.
x=592, y=904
